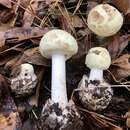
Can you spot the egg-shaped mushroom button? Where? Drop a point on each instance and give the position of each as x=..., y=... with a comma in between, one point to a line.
x=104, y=20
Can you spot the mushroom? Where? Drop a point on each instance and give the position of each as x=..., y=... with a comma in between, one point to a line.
x=58, y=113
x=23, y=80
x=104, y=20
x=95, y=93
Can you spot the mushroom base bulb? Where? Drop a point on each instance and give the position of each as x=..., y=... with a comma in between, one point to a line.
x=55, y=117
x=95, y=95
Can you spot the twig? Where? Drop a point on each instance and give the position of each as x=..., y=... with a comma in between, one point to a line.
x=34, y=114
x=77, y=7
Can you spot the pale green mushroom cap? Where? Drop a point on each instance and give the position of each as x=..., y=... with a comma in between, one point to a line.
x=58, y=41
x=27, y=68
x=104, y=20
x=99, y=58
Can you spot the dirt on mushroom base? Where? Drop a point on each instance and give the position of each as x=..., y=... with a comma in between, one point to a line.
x=55, y=117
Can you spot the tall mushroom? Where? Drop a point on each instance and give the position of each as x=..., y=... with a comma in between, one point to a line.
x=58, y=113
x=95, y=93
x=104, y=20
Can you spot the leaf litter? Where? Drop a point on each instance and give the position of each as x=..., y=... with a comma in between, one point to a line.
x=23, y=23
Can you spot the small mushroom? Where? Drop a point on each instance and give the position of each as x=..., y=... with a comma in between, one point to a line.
x=95, y=93
x=58, y=113
x=23, y=80
x=104, y=20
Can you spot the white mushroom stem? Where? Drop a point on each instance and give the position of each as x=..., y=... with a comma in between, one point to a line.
x=96, y=74
x=58, y=92
x=101, y=40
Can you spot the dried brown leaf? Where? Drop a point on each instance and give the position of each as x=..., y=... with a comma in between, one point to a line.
x=29, y=125
x=122, y=67
x=77, y=22
x=5, y=57
x=19, y=34
x=21, y=6
x=51, y=1
x=68, y=21
x=9, y=65
x=8, y=122
x=72, y=1
x=127, y=117
x=32, y=56
x=6, y=15
x=112, y=128
x=6, y=3
x=65, y=21
x=128, y=122
x=9, y=117
x=116, y=45
x=84, y=42
x=77, y=6
x=5, y=27
x=29, y=13
x=24, y=3
x=90, y=5
x=122, y=5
